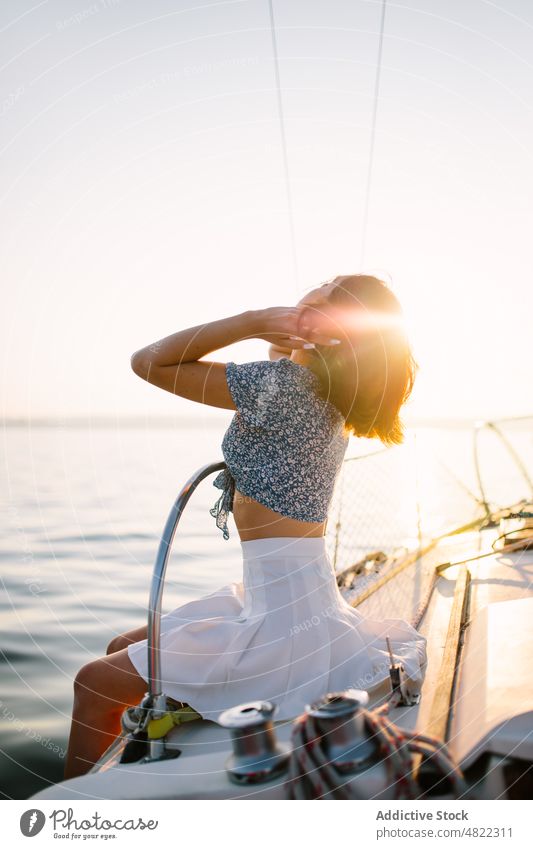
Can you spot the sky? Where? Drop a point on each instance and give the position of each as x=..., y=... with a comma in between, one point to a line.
x=144, y=188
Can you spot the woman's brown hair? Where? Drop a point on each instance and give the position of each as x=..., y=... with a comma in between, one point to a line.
x=370, y=375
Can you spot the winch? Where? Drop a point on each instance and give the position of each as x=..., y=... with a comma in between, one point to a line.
x=346, y=743
x=257, y=756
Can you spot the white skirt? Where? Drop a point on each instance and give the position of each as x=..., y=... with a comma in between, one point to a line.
x=285, y=634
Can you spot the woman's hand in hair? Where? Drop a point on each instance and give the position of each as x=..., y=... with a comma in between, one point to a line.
x=320, y=296
x=295, y=327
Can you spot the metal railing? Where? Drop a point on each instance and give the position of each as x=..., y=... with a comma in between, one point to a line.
x=497, y=427
x=158, y=575
x=154, y=704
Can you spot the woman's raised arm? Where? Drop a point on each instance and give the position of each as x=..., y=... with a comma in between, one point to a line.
x=174, y=363
x=189, y=345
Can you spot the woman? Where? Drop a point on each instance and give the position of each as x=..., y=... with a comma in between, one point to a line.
x=340, y=364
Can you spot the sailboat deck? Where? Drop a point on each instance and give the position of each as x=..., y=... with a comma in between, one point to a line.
x=205, y=746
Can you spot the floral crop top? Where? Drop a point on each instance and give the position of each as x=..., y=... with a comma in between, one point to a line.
x=285, y=445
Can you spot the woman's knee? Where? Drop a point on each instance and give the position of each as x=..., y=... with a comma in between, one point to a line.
x=121, y=641
x=88, y=682
x=96, y=690
x=107, y=684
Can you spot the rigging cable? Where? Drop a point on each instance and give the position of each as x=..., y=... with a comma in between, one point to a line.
x=373, y=132
x=491, y=425
x=288, y=190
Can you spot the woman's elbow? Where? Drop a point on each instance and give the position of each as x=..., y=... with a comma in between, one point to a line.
x=140, y=364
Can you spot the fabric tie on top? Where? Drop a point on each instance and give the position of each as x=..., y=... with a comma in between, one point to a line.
x=225, y=481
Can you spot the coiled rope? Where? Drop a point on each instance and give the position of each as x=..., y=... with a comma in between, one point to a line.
x=312, y=776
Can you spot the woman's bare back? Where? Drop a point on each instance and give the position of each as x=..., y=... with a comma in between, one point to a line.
x=255, y=521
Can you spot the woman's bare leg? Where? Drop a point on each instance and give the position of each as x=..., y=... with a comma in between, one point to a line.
x=102, y=689
x=122, y=641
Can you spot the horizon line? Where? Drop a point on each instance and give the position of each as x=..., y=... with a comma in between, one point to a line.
x=136, y=420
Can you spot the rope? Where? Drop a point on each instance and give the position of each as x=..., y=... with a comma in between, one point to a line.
x=311, y=775
x=509, y=544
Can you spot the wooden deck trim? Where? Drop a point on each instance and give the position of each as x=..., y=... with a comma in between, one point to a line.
x=438, y=723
